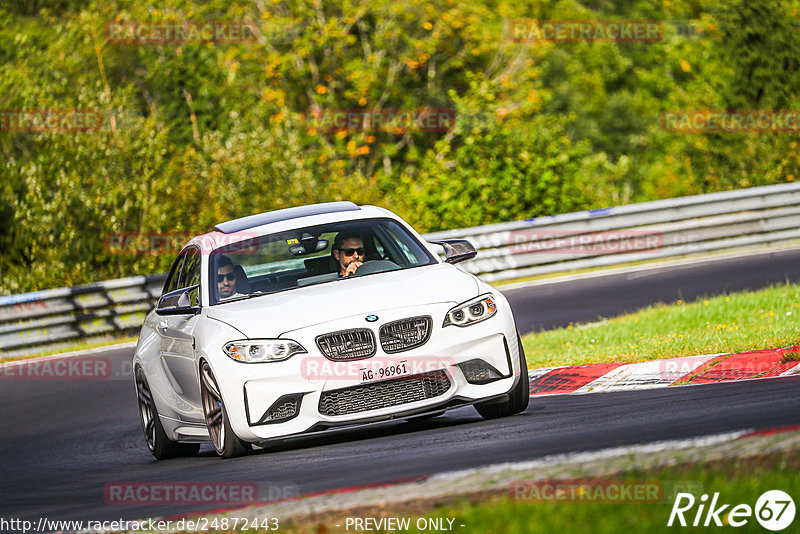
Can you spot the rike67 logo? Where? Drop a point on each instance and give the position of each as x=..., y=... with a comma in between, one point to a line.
x=774, y=510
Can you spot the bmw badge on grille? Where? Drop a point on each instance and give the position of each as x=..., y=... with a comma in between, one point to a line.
x=371, y=318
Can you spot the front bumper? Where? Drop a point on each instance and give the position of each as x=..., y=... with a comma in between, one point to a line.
x=296, y=387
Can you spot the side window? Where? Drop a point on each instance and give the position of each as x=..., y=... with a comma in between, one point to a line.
x=403, y=249
x=190, y=272
x=379, y=248
x=172, y=280
x=399, y=239
x=409, y=256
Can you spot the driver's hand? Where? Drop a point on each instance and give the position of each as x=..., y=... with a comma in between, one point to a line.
x=352, y=267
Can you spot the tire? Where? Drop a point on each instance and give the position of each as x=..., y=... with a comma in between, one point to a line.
x=225, y=441
x=161, y=447
x=518, y=397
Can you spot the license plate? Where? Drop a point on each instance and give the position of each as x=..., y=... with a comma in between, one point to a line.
x=384, y=371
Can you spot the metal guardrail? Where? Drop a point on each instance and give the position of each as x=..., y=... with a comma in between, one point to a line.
x=730, y=220
x=31, y=322
x=759, y=216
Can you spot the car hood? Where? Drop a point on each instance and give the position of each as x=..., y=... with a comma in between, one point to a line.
x=275, y=314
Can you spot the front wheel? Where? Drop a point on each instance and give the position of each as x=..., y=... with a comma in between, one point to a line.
x=225, y=441
x=161, y=447
x=517, y=399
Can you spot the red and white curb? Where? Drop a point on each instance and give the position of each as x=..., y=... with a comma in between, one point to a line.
x=704, y=369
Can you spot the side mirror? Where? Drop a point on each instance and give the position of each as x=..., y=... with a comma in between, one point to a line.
x=182, y=301
x=456, y=250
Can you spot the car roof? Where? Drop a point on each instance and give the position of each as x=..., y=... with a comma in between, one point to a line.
x=260, y=219
x=280, y=220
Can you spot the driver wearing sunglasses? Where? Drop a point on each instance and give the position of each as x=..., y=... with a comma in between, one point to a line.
x=226, y=279
x=348, y=250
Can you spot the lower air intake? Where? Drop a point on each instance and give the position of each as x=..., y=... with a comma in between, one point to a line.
x=478, y=371
x=384, y=394
x=283, y=409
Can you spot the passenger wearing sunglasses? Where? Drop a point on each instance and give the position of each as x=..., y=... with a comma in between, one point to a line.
x=348, y=250
x=226, y=279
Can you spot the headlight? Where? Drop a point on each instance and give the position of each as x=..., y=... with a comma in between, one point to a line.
x=471, y=312
x=262, y=350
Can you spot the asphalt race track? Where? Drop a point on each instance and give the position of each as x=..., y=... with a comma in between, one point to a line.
x=556, y=305
x=63, y=441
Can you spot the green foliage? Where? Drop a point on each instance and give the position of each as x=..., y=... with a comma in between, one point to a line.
x=741, y=478
x=761, y=40
x=196, y=133
x=507, y=168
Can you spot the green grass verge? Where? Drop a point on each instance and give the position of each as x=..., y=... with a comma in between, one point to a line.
x=738, y=322
x=738, y=482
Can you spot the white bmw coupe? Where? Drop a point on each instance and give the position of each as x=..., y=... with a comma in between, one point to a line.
x=303, y=319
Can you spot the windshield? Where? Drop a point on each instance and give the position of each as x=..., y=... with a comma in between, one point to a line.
x=312, y=255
